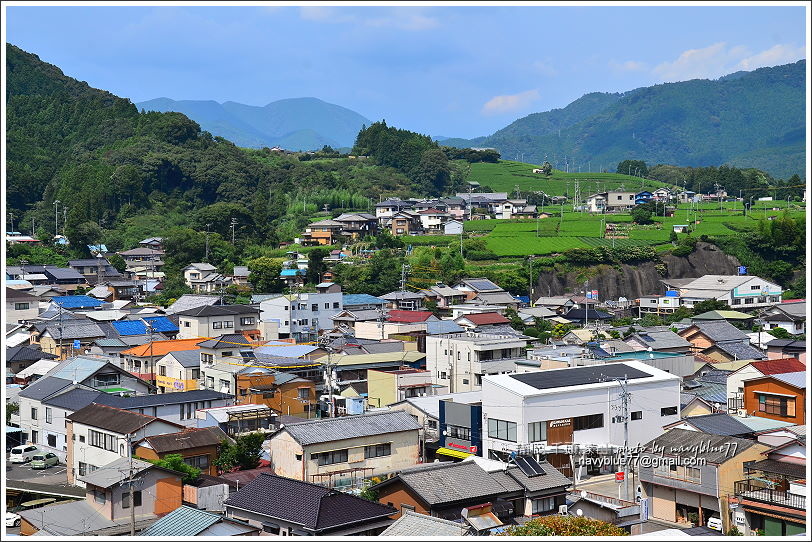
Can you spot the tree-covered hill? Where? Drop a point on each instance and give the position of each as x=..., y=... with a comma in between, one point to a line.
x=750, y=119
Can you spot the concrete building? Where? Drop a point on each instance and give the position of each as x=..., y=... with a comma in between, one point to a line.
x=340, y=452
x=741, y=292
x=306, y=315
x=20, y=306
x=385, y=387
x=460, y=360
x=580, y=405
x=211, y=321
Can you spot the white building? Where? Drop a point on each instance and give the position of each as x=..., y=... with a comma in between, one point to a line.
x=305, y=315
x=576, y=405
x=741, y=292
x=460, y=360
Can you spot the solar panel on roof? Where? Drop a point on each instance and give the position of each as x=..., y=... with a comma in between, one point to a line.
x=483, y=285
x=529, y=466
x=578, y=376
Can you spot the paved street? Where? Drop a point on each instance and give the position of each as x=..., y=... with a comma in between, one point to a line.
x=56, y=475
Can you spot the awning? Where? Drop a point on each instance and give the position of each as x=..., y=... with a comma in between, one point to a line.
x=453, y=453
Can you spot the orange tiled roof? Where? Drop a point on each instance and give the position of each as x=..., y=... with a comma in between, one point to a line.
x=161, y=348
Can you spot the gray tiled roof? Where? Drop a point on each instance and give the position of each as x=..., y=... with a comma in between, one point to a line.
x=719, y=424
x=797, y=379
x=740, y=350
x=712, y=448
x=68, y=519
x=44, y=387
x=314, y=507
x=75, y=329
x=327, y=430
x=187, y=358
x=444, y=482
x=73, y=400
x=190, y=301
x=230, y=340
x=161, y=399
x=414, y=524
x=551, y=478
x=659, y=340
x=114, y=472
x=721, y=330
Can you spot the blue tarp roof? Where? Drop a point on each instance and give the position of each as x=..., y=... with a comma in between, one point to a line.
x=361, y=299
x=136, y=327
x=283, y=349
x=292, y=272
x=76, y=301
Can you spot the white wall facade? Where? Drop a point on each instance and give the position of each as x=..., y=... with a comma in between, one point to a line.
x=298, y=316
x=458, y=362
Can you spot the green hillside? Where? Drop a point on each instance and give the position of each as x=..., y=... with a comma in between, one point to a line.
x=751, y=120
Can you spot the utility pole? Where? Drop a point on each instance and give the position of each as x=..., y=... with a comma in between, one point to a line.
x=530, y=260
x=403, y=269
x=56, y=217
x=132, y=493
x=64, y=217
x=233, y=225
x=207, y=242
x=624, y=397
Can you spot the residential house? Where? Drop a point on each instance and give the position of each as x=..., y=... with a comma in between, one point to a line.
x=658, y=341
x=575, y=405
x=142, y=360
x=155, y=243
x=443, y=295
x=210, y=321
x=305, y=315
x=178, y=408
x=64, y=278
x=643, y=197
x=95, y=270
x=559, y=305
x=188, y=521
x=403, y=300
x=693, y=487
x=403, y=223
x=586, y=315
x=612, y=201
x=322, y=232
x=719, y=341
x=733, y=317
x=716, y=423
x=432, y=220
x=446, y=490
x=204, y=278
x=107, y=509
x=356, y=302
x=192, y=301
x=413, y=524
x=785, y=348
x=99, y=434
x=307, y=509
x=285, y=393
x=483, y=321
x=357, y=225
x=756, y=369
x=744, y=292
x=485, y=292
x=460, y=360
x=389, y=207
x=772, y=498
x=22, y=357
x=347, y=319
x=452, y=227
x=21, y=306
x=779, y=396
x=345, y=451
x=385, y=387
x=656, y=304
x=790, y=316
x=102, y=374
x=178, y=371
x=340, y=370
x=199, y=447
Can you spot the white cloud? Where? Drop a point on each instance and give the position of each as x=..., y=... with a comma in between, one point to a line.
x=774, y=56
x=719, y=59
x=544, y=67
x=509, y=102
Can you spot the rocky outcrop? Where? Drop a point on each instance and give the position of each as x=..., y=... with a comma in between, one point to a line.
x=632, y=281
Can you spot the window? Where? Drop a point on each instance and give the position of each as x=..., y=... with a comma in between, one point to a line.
x=228, y=324
x=81, y=438
x=207, y=358
x=778, y=406
x=443, y=375
x=250, y=320
x=162, y=370
x=537, y=431
x=669, y=411
x=748, y=301
x=432, y=424
x=102, y=440
x=502, y=430
x=455, y=431
x=186, y=323
x=199, y=461
x=227, y=354
x=195, y=374
x=544, y=504
x=756, y=287
x=737, y=301
x=464, y=380
x=304, y=393
x=335, y=305
x=99, y=496
x=314, y=307
x=33, y=413
x=377, y=450
x=330, y=458
x=21, y=306
x=109, y=379
x=225, y=385
x=125, y=499
x=582, y=423
x=217, y=325
x=210, y=382
x=693, y=474
x=51, y=440
x=34, y=437
x=82, y=468
x=637, y=415
x=271, y=528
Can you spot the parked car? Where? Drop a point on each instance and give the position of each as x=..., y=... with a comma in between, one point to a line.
x=43, y=461
x=715, y=524
x=12, y=519
x=23, y=454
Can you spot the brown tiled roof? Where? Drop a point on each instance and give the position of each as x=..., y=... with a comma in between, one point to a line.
x=113, y=419
x=185, y=440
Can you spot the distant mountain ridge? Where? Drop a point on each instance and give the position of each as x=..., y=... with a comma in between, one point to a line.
x=746, y=119
x=293, y=123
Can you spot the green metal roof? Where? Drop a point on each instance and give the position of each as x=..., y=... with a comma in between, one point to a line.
x=183, y=521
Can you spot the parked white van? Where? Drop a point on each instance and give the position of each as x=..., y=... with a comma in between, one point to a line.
x=23, y=454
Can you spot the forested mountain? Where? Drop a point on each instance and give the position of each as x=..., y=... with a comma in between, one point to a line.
x=747, y=119
x=295, y=124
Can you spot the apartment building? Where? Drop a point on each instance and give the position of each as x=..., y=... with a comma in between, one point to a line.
x=304, y=316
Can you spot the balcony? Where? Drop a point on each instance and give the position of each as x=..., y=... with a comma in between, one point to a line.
x=756, y=490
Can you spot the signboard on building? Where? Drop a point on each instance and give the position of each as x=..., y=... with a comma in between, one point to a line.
x=672, y=293
x=644, y=509
x=77, y=344
x=620, y=476
x=742, y=270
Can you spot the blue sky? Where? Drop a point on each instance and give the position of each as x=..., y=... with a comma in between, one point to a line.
x=458, y=71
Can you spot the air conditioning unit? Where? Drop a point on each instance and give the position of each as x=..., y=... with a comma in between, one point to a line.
x=562, y=510
x=742, y=413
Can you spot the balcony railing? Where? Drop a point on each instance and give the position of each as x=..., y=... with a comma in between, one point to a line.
x=758, y=491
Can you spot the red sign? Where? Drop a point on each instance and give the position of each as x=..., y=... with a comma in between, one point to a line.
x=473, y=449
x=619, y=476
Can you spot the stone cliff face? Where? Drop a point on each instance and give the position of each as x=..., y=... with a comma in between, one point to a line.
x=632, y=281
